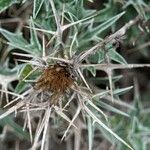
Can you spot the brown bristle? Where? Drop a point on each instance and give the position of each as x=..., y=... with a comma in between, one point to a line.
x=55, y=79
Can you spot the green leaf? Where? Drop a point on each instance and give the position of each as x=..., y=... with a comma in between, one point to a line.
x=108, y=12
x=122, y=90
x=7, y=76
x=116, y=56
x=77, y=14
x=139, y=6
x=4, y=4
x=25, y=71
x=106, y=134
x=92, y=70
x=112, y=109
x=20, y=87
x=34, y=38
x=17, y=129
x=37, y=6
x=138, y=134
x=98, y=57
x=17, y=41
x=104, y=80
x=93, y=116
x=29, y=73
x=87, y=36
x=7, y=72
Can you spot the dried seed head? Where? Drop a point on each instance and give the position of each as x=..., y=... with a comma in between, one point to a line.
x=56, y=79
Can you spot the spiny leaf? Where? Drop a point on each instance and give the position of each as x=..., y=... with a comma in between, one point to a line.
x=16, y=40
x=4, y=4
x=37, y=7
x=106, y=128
x=116, y=56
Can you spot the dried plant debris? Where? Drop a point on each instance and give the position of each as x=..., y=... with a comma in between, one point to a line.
x=56, y=80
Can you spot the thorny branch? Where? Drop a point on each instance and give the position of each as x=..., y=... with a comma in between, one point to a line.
x=115, y=66
x=112, y=38
x=107, y=67
x=57, y=19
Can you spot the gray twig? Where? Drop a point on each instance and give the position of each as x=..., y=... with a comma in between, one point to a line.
x=115, y=66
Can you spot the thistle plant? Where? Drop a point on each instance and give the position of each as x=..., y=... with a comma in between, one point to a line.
x=58, y=52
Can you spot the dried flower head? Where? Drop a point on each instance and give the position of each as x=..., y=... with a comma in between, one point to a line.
x=56, y=79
